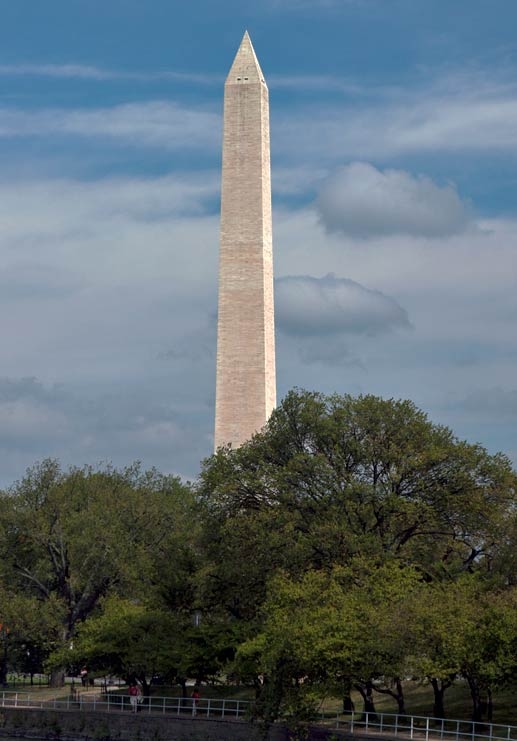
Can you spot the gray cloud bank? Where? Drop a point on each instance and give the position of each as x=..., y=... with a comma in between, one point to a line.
x=360, y=201
x=497, y=403
x=308, y=306
x=118, y=425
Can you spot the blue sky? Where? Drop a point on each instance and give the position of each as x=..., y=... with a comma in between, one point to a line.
x=394, y=160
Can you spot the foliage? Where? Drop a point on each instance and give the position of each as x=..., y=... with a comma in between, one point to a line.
x=330, y=627
x=334, y=477
x=342, y=483
x=351, y=543
x=71, y=538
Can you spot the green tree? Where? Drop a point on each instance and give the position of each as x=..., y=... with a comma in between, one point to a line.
x=440, y=623
x=137, y=641
x=490, y=647
x=331, y=478
x=71, y=538
x=333, y=629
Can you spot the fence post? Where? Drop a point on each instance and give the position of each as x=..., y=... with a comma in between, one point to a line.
x=366, y=725
x=411, y=727
x=427, y=729
x=222, y=709
x=396, y=724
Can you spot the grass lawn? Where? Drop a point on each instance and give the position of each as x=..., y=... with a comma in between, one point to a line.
x=419, y=701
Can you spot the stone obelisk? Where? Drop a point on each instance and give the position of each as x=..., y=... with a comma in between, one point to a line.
x=246, y=382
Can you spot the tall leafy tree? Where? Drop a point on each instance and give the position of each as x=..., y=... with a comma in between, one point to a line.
x=73, y=537
x=334, y=477
x=332, y=629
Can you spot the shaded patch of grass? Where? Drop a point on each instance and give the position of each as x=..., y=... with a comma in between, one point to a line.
x=419, y=701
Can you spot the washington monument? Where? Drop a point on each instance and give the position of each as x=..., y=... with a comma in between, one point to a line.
x=245, y=384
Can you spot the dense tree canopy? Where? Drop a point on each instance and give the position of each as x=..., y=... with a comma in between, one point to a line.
x=71, y=538
x=331, y=478
x=333, y=482
x=351, y=543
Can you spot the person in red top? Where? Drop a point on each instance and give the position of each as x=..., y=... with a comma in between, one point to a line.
x=133, y=697
x=195, y=698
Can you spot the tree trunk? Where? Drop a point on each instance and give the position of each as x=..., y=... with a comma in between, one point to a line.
x=399, y=697
x=438, y=690
x=348, y=705
x=366, y=692
x=477, y=703
x=183, y=684
x=57, y=678
x=397, y=694
x=146, y=687
x=489, y=705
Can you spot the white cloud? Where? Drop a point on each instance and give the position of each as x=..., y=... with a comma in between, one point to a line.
x=81, y=71
x=361, y=201
x=306, y=306
x=154, y=123
x=112, y=290
x=91, y=72
x=67, y=208
x=458, y=113
x=119, y=270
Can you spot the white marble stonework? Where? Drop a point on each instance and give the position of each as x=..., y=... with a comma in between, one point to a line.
x=246, y=382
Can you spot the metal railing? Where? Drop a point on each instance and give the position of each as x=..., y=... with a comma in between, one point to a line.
x=110, y=702
x=422, y=728
x=419, y=728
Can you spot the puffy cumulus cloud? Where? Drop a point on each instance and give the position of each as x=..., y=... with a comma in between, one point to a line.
x=360, y=201
x=308, y=306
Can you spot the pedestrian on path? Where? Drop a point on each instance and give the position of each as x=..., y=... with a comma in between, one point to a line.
x=133, y=697
x=195, y=699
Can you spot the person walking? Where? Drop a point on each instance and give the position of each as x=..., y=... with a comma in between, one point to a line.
x=195, y=699
x=133, y=697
